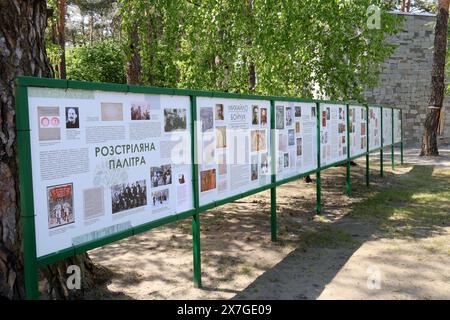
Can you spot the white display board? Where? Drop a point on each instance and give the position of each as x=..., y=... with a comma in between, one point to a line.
x=397, y=126
x=295, y=138
x=387, y=127
x=333, y=133
x=358, y=130
x=233, y=147
x=374, y=128
x=105, y=162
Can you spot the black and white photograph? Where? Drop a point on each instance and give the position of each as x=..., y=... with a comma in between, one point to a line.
x=161, y=176
x=160, y=199
x=130, y=195
x=72, y=118
x=291, y=137
x=286, y=160
x=140, y=111
x=264, y=164
x=255, y=115
x=280, y=117
x=174, y=120
x=299, y=146
x=289, y=116
x=207, y=119
x=298, y=112
x=313, y=112
x=220, y=113
x=254, y=168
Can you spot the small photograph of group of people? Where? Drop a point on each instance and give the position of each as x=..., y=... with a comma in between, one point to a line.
x=60, y=205
x=160, y=198
x=175, y=119
x=140, y=111
x=161, y=176
x=125, y=196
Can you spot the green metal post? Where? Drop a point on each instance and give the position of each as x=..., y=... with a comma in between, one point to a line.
x=26, y=196
x=401, y=136
x=273, y=190
x=348, y=187
x=382, y=143
x=196, y=217
x=393, y=141
x=318, y=181
x=367, y=147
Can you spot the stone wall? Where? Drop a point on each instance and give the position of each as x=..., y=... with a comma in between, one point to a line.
x=405, y=78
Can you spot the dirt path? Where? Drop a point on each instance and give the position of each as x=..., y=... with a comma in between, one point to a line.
x=377, y=244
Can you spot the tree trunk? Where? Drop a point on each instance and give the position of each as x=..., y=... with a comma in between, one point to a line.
x=62, y=38
x=134, y=61
x=22, y=52
x=251, y=67
x=429, y=140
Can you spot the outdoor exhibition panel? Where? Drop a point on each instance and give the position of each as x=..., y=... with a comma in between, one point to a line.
x=397, y=125
x=104, y=162
x=333, y=133
x=374, y=128
x=387, y=126
x=295, y=138
x=233, y=147
x=101, y=162
x=358, y=130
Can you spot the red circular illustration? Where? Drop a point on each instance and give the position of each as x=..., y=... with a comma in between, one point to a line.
x=45, y=121
x=55, y=121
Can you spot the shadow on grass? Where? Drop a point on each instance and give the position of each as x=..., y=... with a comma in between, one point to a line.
x=417, y=206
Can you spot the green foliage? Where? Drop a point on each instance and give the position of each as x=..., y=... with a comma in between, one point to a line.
x=103, y=61
x=316, y=47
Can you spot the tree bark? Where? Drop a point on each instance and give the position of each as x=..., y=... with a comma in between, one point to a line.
x=62, y=38
x=429, y=140
x=134, y=61
x=22, y=52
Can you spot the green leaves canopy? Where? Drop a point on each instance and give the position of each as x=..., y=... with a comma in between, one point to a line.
x=298, y=48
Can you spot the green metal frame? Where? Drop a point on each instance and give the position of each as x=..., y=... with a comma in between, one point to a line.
x=27, y=215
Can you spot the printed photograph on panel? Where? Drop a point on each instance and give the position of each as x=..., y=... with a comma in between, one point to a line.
x=254, y=168
x=175, y=119
x=160, y=199
x=289, y=116
x=60, y=205
x=72, y=118
x=112, y=111
x=220, y=113
x=206, y=117
x=125, y=196
x=264, y=164
x=140, y=111
x=255, y=115
x=263, y=116
x=221, y=137
x=161, y=176
x=299, y=146
x=208, y=180
x=280, y=117
x=49, y=123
